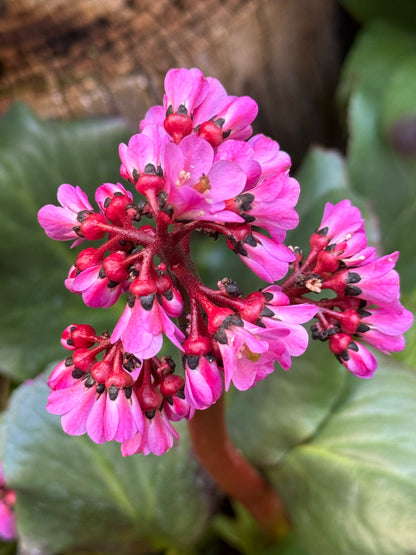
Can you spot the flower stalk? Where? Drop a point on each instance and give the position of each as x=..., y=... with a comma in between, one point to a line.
x=234, y=474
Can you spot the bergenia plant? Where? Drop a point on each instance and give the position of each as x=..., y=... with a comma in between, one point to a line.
x=196, y=166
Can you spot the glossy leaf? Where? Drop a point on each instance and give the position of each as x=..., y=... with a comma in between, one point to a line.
x=352, y=487
x=287, y=407
x=73, y=494
x=35, y=158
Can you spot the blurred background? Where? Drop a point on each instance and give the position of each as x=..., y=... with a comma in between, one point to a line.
x=109, y=57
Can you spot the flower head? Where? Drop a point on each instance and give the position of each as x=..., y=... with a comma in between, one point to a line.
x=366, y=307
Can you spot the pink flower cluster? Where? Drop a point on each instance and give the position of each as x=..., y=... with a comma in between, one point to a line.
x=366, y=307
x=197, y=167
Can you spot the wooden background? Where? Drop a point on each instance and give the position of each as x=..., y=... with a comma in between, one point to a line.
x=72, y=58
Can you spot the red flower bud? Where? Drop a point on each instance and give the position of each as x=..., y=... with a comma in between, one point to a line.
x=87, y=258
x=211, y=133
x=91, y=227
x=114, y=267
x=83, y=359
x=178, y=126
x=171, y=384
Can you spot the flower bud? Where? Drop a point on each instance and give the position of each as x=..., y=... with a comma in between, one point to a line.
x=91, y=227
x=178, y=126
x=114, y=267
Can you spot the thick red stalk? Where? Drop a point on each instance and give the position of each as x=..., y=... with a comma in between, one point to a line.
x=234, y=474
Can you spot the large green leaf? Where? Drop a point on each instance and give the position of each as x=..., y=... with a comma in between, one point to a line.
x=35, y=158
x=352, y=487
x=72, y=493
x=287, y=408
x=379, y=169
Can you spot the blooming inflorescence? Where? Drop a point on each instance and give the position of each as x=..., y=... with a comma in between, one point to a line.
x=197, y=167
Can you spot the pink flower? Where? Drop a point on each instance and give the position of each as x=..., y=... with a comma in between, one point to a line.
x=185, y=90
x=7, y=515
x=249, y=350
x=241, y=153
x=96, y=288
x=177, y=407
x=61, y=222
x=100, y=402
x=157, y=437
x=61, y=377
x=107, y=191
x=382, y=327
x=241, y=348
x=354, y=356
x=232, y=121
x=270, y=204
x=281, y=322
x=144, y=154
x=268, y=154
x=203, y=383
x=193, y=103
x=264, y=256
x=142, y=324
x=221, y=117
x=340, y=239
x=196, y=186
x=386, y=326
x=113, y=201
x=339, y=221
x=375, y=281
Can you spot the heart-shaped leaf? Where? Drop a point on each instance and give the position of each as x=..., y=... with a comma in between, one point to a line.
x=352, y=487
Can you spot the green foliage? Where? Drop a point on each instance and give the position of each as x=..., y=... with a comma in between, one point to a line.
x=287, y=408
x=35, y=158
x=75, y=494
x=378, y=81
x=352, y=487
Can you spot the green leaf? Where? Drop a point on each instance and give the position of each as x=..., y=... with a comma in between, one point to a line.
x=35, y=158
x=403, y=13
x=287, y=407
x=73, y=494
x=398, y=109
x=352, y=487
x=377, y=170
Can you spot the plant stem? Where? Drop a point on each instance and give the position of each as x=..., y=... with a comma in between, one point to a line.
x=234, y=474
